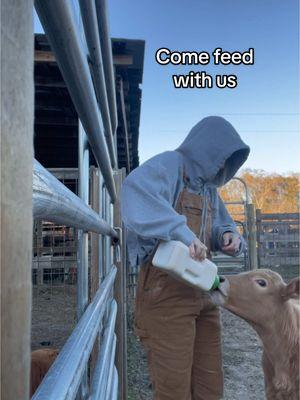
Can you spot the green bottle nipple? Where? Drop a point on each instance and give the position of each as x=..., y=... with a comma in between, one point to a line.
x=216, y=283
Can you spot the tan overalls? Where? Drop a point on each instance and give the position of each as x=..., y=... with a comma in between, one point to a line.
x=179, y=326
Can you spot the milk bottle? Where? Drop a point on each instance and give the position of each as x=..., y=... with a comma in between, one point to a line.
x=173, y=257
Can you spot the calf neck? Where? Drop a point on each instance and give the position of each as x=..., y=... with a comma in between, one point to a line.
x=271, y=307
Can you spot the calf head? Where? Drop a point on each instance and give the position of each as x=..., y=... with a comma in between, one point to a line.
x=256, y=296
x=41, y=361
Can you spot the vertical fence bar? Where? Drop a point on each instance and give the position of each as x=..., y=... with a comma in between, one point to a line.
x=16, y=195
x=104, y=216
x=120, y=293
x=252, y=241
x=83, y=238
x=107, y=238
x=94, y=274
x=82, y=263
x=90, y=22
x=258, y=234
x=101, y=238
x=95, y=203
x=106, y=49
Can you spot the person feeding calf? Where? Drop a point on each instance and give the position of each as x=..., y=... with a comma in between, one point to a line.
x=173, y=196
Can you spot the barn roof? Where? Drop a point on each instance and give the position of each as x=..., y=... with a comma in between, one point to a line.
x=56, y=120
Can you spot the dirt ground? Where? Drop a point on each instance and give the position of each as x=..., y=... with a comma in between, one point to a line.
x=53, y=315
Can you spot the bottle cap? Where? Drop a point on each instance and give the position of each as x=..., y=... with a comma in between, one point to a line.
x=216, y=283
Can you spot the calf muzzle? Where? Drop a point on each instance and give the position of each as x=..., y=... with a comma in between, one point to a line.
x=219, y=295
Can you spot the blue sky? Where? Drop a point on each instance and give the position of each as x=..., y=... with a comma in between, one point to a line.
x=264, y=108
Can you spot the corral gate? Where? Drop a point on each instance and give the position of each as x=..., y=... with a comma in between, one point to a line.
x=85, y=60
x=242, y=212
x=278, y=239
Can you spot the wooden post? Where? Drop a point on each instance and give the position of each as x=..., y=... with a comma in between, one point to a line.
x=120, y=294
x=252, y=244
x=16, y=195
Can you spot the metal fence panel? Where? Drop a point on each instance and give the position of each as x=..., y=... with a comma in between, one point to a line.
x=101, y=381
x=64, y=377
x=73, y=46
x=278, y=239
x=58, y=19
x=54, y=202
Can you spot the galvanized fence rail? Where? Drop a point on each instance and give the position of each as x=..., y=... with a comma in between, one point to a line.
x=65, y=375
x=79, y=37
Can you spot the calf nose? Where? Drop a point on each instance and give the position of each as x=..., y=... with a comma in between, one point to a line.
x=219, y=295
x=224, y=286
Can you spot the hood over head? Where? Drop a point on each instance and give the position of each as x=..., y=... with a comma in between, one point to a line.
x=213, y=152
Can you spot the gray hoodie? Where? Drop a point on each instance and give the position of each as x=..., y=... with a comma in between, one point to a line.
x=210, y=155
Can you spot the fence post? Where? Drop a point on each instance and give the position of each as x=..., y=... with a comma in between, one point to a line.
x=83, y=240
x=120, y=294
x=16, y=195
x=258, y=237
x=252, y=239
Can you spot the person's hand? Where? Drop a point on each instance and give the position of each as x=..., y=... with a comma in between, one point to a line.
x=197, y=250
x=231, y=243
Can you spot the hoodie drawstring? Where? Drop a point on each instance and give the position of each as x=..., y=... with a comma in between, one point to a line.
x=206, y=191
x=204, y=214
x=209, y=192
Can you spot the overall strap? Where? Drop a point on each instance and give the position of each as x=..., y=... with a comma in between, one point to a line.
x=186, y=179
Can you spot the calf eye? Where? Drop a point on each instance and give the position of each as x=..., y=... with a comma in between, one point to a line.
x=261, y=282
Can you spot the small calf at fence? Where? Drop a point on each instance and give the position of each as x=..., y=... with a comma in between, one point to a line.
x=41, y=361
x=271, y=307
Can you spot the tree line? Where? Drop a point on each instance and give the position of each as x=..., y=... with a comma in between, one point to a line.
x=271, y=193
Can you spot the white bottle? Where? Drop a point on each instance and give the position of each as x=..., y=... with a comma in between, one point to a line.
x=174, y=258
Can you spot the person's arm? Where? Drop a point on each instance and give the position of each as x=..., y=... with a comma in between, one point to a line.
x=147, y=198
x=225, y=236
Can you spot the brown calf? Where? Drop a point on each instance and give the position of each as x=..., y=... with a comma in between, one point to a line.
x=41, y=361
x=270, y=306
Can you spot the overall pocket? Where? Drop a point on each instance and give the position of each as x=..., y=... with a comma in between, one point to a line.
x=155, y=283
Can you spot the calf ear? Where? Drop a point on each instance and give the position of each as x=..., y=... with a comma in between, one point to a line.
x=291, y=290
